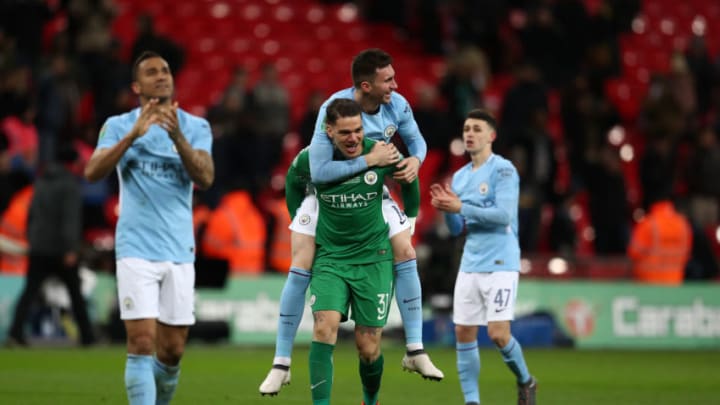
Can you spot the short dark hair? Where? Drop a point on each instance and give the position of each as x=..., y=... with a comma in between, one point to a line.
x=341, y=108
x=480, y=114
x=366, y=63
x=144, y=55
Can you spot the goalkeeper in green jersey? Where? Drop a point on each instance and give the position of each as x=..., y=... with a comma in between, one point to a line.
x=352, y=274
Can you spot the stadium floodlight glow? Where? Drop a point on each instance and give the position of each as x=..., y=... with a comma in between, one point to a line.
x=699, y=25
x=315, y=15
x=616, y=135
x=557, y=265
x=643, y=75
x=251, y=12
x=261, y=30
x=525, y=266
x=220, y=10
x=347, y=13
x=627, y=153
x=630, y=58
x=270, y=47
x=638, y=25
x=667, y=26
x=283, y=13
x=457, y=147
x=575, y=212
x=717, y=234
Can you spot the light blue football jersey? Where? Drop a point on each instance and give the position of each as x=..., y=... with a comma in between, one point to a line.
x=155, y=220
x=489, y=213
x=394, y=117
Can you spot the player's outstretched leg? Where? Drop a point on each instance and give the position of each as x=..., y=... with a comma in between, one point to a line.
x=292, y=305
x=408, y=294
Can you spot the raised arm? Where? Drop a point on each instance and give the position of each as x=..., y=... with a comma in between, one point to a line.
x=412, y=138
x=197, y=162
x=323, y=168
x=506, y=202
x=104, y=160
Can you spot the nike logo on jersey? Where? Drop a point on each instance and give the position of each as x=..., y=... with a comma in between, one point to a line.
x=313, y=386
x=405, y=301
x=285, y=315
x=500, y=309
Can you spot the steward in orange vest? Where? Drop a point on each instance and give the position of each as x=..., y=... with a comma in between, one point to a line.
x=660, y=245
x=13, y=233
x=236, y=232
x=280, y=253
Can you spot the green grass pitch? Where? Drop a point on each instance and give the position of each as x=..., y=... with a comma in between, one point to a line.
x=231, y=375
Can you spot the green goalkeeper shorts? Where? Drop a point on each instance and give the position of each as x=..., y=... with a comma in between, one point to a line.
x=366, y=289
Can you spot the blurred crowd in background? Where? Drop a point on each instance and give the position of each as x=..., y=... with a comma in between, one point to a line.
x=598, y=122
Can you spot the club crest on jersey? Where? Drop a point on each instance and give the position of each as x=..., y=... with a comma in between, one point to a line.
x=483, y=188
x=304, y=219
x=128, y=303
x=371, y=178
x=389, y=131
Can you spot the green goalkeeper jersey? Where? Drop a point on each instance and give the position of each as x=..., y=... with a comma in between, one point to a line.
x=351, y=228
x=297, y=186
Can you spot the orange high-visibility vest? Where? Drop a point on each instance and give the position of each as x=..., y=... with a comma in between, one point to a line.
x=13, y=226
x=280, y=254
x=660, y=246
x=236, y=232
x=201, y=214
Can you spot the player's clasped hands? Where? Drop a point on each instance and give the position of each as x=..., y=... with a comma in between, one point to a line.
x=407, y=170
x=148, y=116
x=168, y=119
x=383, y=154
x=444, y=199
x=154, y=113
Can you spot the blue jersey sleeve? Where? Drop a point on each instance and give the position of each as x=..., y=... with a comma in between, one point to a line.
x=506, y=200
x=199, y=136
x=455, y=223
x=408, y=129
x=323, y=169
x=110, y=133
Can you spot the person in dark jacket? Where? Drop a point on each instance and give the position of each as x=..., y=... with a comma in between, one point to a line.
x=54, y=237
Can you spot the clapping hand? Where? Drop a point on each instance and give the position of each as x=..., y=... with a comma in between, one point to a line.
x=168, y=120
x=148, y=116
x=444, y=199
